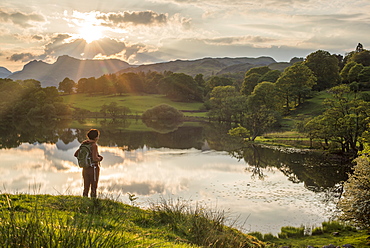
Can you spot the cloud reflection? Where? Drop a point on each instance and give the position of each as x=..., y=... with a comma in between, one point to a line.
x=207, y=177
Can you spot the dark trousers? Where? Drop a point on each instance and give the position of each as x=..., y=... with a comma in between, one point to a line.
x=91, y=178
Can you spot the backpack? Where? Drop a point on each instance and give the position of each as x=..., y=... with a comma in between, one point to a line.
x=84, y=155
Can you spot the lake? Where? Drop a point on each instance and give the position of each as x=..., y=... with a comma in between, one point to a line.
x=263, y=188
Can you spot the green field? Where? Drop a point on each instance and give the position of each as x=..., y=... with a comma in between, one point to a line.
x=136, y=103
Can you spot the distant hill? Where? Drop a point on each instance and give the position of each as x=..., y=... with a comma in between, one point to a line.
x=65, y=66
x=205, y=66
x=4, y=73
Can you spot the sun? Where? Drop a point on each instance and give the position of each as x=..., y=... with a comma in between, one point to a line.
x=90, y=33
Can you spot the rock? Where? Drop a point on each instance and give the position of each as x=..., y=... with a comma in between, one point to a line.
x=310, y=246
x=348, y=246
x=335, y=234
x=329, y=246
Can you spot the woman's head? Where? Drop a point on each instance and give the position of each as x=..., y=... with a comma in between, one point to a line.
x=93, y=134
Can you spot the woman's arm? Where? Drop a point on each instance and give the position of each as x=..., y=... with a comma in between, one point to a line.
x=95, y=154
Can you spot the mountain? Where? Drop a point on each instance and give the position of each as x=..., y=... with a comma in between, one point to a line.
x=205, y=66
x=65, y=66
x=4, y=73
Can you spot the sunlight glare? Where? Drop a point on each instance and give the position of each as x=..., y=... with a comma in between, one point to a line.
x=90, y=33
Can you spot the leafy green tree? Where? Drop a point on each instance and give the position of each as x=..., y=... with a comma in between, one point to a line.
x=162, y=112
x=250, y=81
x=180, y=87
x=227, y=104
x=355, y=201
x=216, y=81
x=67, y=85
x=344, y=120
x=353, y=74
x=361, y=57
x=325, y=68
x=259, y=70
x=295, y=83
x=259, y=119
x=266, y=94
x=364, y=75
x=345, y=71
x=271, y=76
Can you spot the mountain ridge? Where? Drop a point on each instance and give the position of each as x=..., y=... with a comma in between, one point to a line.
x=73, y=68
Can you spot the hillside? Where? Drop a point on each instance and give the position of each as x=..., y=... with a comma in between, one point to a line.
x=65, y=66
x=205, y=66
x=4, y=73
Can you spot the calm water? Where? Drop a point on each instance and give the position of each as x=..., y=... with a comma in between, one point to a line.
x=266, y=188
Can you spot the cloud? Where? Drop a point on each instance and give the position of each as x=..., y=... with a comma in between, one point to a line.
x=24, y=57
x=79, y=48
x=20, y=19
x=135, y=18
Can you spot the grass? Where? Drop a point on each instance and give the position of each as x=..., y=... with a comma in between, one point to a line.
x=331, y=232
x=136, y=103
x=71, y=221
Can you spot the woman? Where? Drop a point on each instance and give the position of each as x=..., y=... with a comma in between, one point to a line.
x=91, y=174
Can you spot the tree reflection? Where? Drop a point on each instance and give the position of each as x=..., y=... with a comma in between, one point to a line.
x=317, y=171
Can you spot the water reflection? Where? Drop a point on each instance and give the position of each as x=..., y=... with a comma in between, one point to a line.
x=269, y=188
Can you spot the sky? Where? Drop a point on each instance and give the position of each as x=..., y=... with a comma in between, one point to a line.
x=151, y=31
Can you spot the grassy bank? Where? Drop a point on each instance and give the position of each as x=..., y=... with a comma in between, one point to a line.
x=70, y=221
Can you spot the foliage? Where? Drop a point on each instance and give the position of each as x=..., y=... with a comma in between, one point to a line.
x=325, y=68
x=240, y=132
x=227, y=104
x=114, y=110
x=344, y=120
x=355, y=202
x=362, y=57
x=162, y=111
x=26, y=98
x=216, y=81
x=67, y=85
x=180, y=87
x=353, y=74
x=345, y=71
x=295, y=83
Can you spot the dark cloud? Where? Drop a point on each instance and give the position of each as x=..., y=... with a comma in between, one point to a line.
x=20, y=19
x=136, y=18
x=37, y=37
x=24, y=57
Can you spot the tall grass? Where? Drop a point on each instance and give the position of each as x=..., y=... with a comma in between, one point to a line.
x=39, y=227
x=201, y=226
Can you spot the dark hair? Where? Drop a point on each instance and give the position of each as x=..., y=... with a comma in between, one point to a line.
x=93, y=133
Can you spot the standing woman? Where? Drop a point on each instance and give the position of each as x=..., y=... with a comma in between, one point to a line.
x=91, y=174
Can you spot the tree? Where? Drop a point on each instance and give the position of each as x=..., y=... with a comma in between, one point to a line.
x=295, y=83
x=215, y=81
x=67, y=85
x=271, y=76
x=345, y=71
x=180, y=87
x=362, y=57
x=364, y=75
x=354, y=73
x=266, y=94
x=227, y=104
x=344, y=120
x=325, y=68
x=250, y=81
x=355, y=201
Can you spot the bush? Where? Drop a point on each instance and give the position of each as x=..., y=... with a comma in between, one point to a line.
x=162, y=112
x=291, y=232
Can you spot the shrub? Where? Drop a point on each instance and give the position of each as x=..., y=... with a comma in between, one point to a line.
x=291, y=232
x=162, y=112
